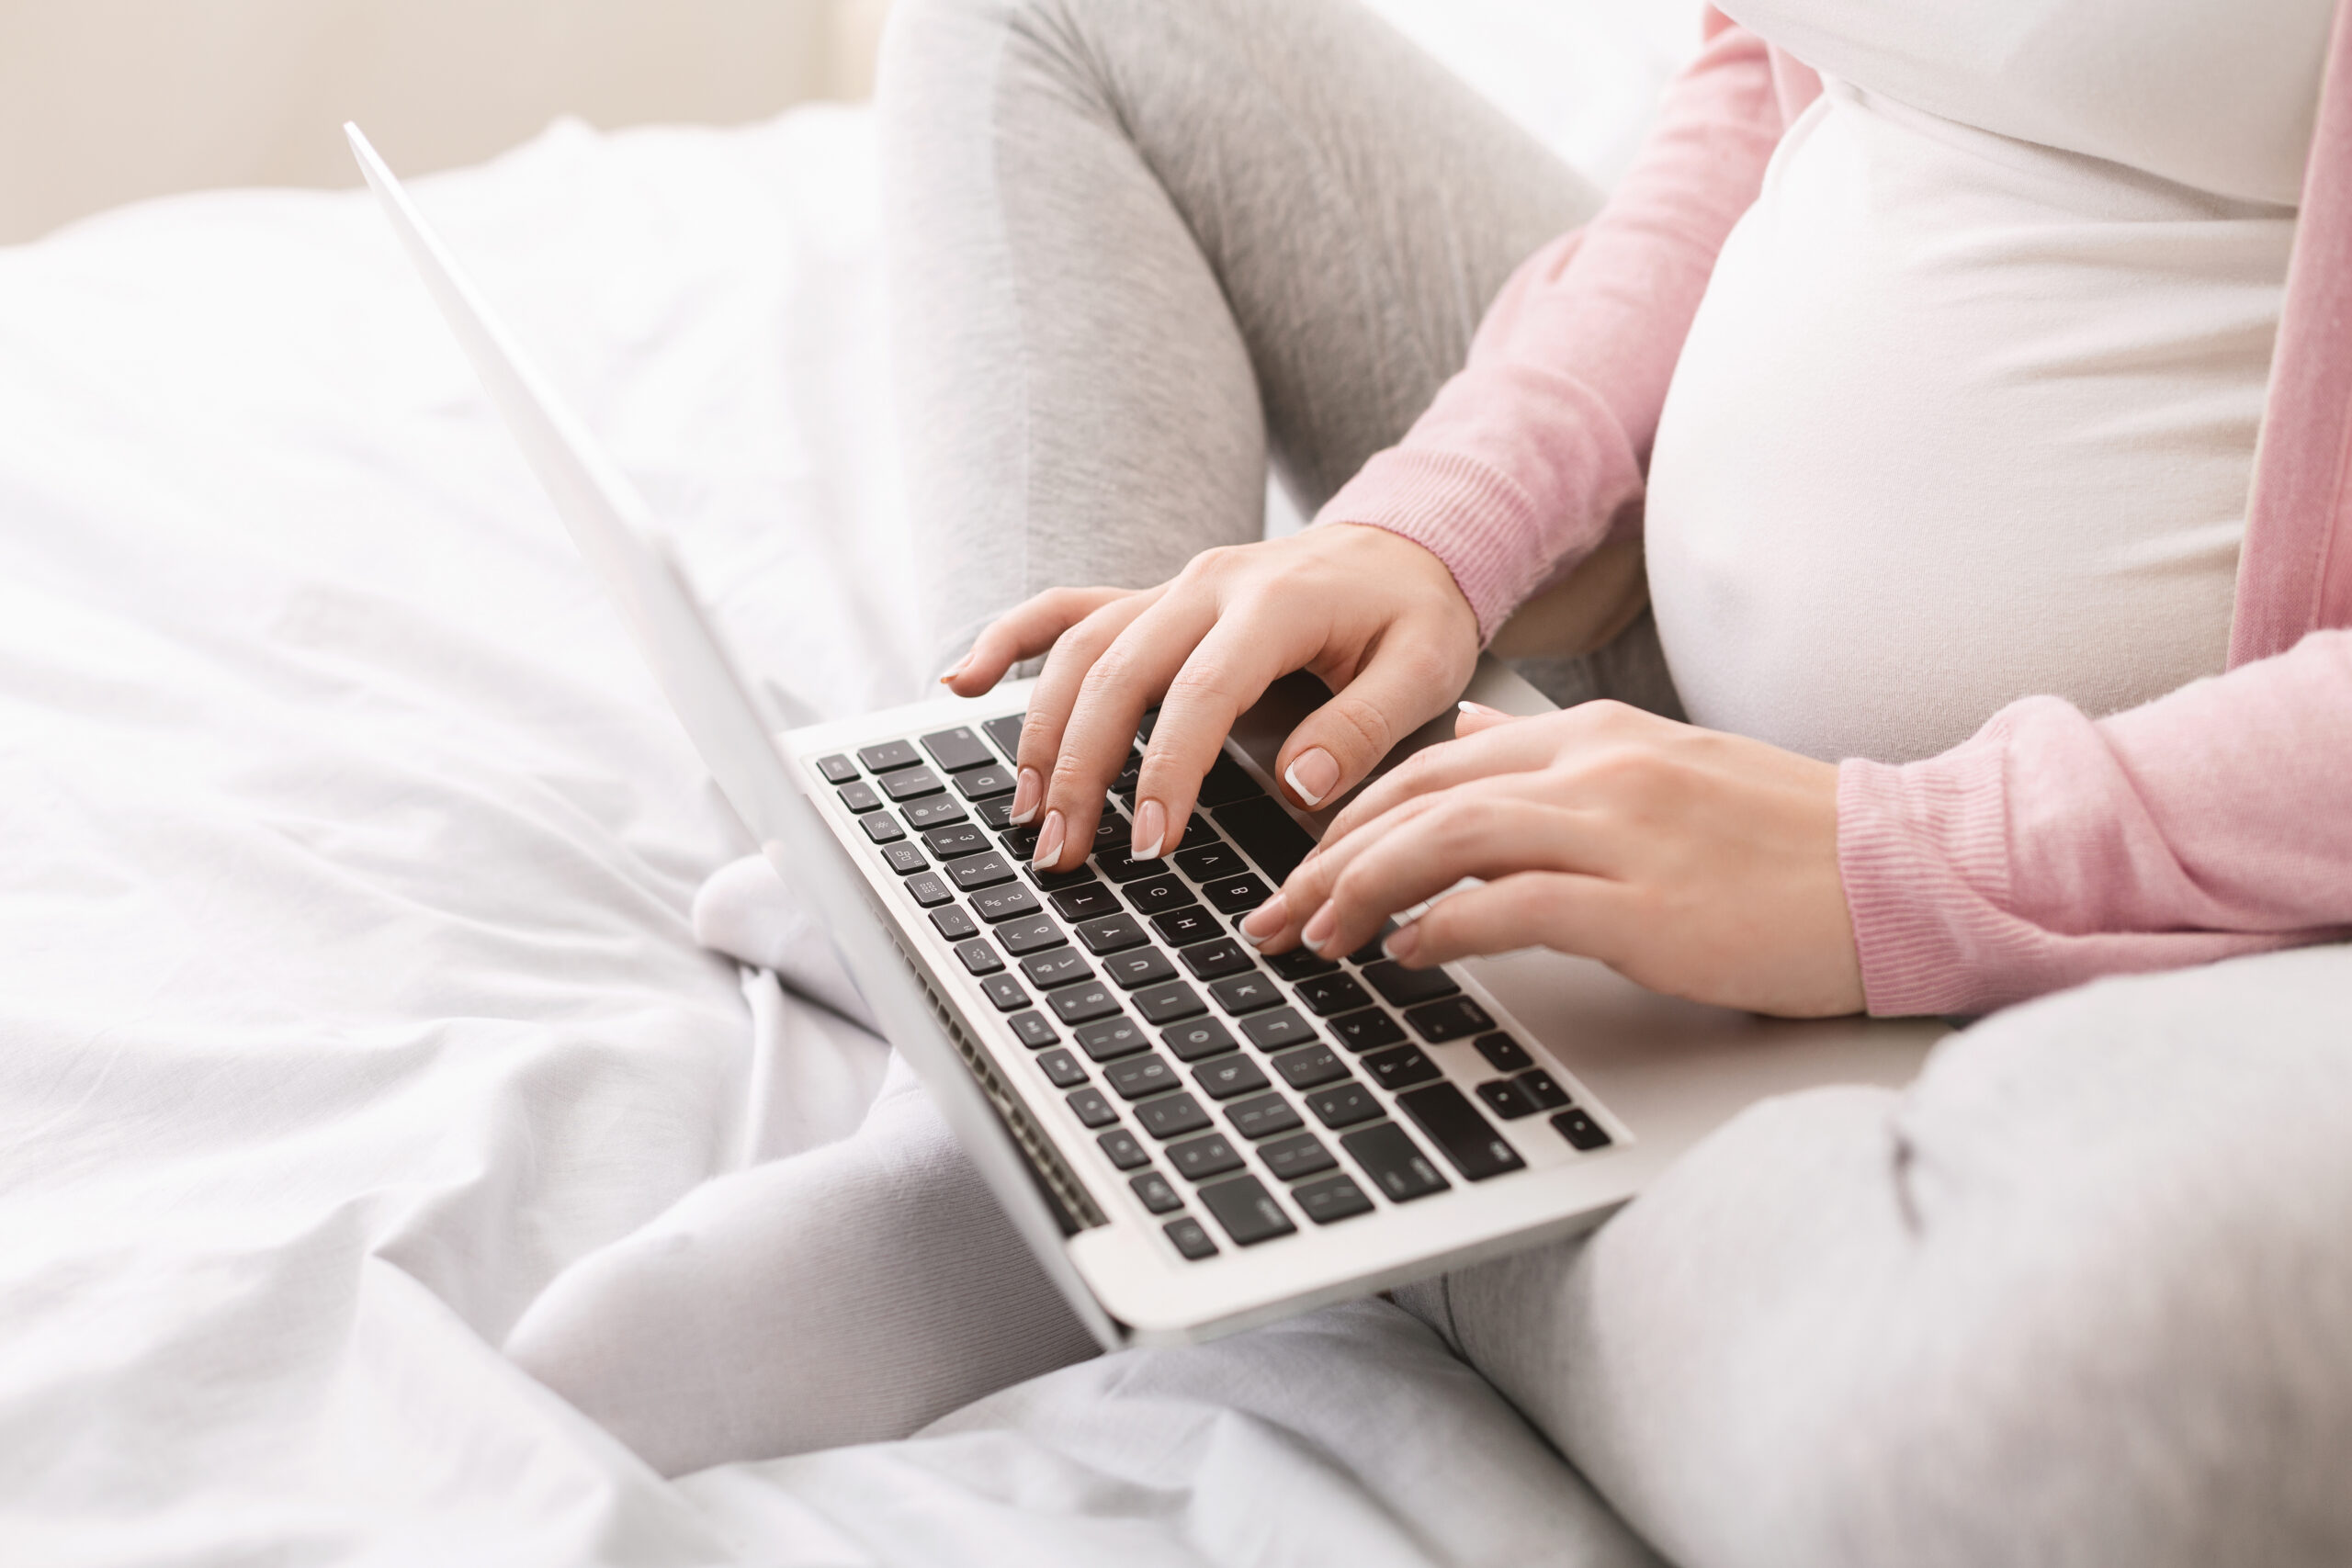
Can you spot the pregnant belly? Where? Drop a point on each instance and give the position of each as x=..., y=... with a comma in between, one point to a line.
x=1961, y=421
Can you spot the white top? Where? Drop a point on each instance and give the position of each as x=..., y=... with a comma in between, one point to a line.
x=1966, y=418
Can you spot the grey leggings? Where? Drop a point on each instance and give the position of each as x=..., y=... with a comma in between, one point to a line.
x=2082, y=1297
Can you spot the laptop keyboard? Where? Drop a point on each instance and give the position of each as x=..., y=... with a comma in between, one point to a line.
x=1182, y=1048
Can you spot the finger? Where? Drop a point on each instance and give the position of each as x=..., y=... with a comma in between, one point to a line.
x=1125, y=679
x=1022, y=632
x=1585, y=915
x=1051, y=698
x=1470, y=717
x=1499, y=749
x=1408, y=682
x=1243, y=653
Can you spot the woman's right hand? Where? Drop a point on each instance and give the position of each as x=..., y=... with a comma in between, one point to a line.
x=1377, y=617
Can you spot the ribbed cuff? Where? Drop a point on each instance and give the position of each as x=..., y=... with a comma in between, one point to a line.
x=1474, y=520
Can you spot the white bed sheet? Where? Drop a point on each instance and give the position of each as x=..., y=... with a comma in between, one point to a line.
x=347, y=988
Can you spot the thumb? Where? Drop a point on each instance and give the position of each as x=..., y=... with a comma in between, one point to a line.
x=1343, y=740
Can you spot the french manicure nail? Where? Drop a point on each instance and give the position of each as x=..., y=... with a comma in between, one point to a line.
x=1049, y=841
x=955, y=669
x=1151, y=832
x=1481, y=709
x=1259, y=926
x=1403, y=943
x=1312, y=773
x=1026, y=791
x=1319, y=930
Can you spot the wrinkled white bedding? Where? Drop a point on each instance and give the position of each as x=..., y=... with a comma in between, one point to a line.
x=348, y=986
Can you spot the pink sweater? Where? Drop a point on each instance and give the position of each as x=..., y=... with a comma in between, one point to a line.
x=2049, y=847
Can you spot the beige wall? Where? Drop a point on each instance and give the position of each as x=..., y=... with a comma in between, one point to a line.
x=104, y=101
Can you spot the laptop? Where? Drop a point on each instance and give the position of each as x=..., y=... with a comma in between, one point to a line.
x=1192, y=1138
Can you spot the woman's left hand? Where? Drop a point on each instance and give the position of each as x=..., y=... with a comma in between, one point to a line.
x=1698, y=864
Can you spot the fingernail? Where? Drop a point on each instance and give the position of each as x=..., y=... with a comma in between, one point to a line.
x=1312, y=773
x=1403, y=943
x=1260, y=924
x=1027, y=790
x=1151, y=830
x=1482, y=709
x=1319, y=930
x=955, y=669
x=1049, y=841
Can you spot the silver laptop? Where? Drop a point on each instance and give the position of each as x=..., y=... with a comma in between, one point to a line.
x=1192, y=1137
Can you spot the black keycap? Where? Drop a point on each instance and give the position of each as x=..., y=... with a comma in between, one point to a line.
x=1034, y=934
x=1266, y=834
x=1190, y=1238
x=1328, y=994
x=888, y=756
x=1403, y=986
x=1155, y=894
x=998, y=814
x=1400, y=1067
x=1006, y=733
x=1124, y=1151
x=1121, y=866
x=928, y=888
x=1227, y=782
x=882, y=828
x=1343, y=1104
x=1202, y=1037
x=1139, y=967
x=1087, y=902
x=907, y=784
x=1172, y=1116
x=837, y=769
x=1395, y=1162
x=1236, y=895
x=1367, y=1030
x=1247, y=1211
x=1055, y=881
x=1021, y=843
x=1156, y=1195
x=1032, y=1029
x=1290, y=1158
x=1008, y=902
x=1506, y=1099
x=956, y=842
x=1005, y=992
x=1272, y=1030
x=1212, y=863
x=935, y=812
x=1300, y=962
x=1309, y=1065
x=1216, y=960
x=1238, y=994
x=1581, y=1129
x=1461, y=1134
x=1081, y=1004
x=1198, y=834
x=1056, y=967
x=1138, y=1076
x=1113, y=833
x=1182, y=928
x=1125, y=783
x=1091, y=1110
x=1449, y=1020
x=1166, y=1004
x=978, y=956
x=985, y=784
x=1197, y=1160
x=1113, y=934
x=1108, y=1038
x=1504, y=1054
x=1235, y=1074
x=956, y=749
x=860, y=796
x=1147, y=723
x=1543, y=1089
x=904, y=858
x=1061, y=1069
x=954, y=924
x=1264, y=1116
x=1326, y=1202
x=975, y=872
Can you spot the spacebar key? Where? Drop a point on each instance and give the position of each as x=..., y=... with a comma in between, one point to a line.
x=1463, y=1135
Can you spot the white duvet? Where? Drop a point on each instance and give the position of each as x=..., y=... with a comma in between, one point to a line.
x=347, y=983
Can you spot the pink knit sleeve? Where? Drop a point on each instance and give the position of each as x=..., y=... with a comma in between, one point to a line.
x=1516, y=470
x=2049, y=849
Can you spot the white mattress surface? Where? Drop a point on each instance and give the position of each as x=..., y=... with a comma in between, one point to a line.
x=347, y=988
